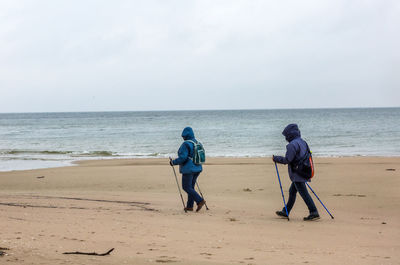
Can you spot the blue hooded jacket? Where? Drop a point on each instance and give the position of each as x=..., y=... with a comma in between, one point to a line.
x=296, y=151
x=185, y=152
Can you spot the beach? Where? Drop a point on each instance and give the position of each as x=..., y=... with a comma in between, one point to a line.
x=133, y=206
x=94, y=108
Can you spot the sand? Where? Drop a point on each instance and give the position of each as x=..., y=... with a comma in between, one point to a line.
x=134, y=207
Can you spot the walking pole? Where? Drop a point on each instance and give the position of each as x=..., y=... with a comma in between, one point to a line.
x=280, y=185
x=202, y=195
x=184, y=208
x=320, y=200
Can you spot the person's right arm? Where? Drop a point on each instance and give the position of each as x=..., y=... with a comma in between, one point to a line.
x=289, y=156
x=183, y=155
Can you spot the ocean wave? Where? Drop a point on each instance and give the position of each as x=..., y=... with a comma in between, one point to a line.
x=144, y=155
x=33, y=159
x=94, y=154
x=78, y=155
x=56, y=152
x=51, y=154
x=34, y=152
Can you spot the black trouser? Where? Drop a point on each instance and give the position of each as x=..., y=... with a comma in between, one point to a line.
x=302, y=189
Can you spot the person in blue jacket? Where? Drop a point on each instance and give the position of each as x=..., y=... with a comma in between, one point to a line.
x=189, y=170
x=296, y=151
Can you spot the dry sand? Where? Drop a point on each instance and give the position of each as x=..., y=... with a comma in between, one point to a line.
x=134, y=207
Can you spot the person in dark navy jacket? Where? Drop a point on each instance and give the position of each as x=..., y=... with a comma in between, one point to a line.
x=296, y=151
x=189, y=170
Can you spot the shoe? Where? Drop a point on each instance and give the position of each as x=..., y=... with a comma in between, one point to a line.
x=188, y=209
x=200, y=205
x=281, y=214
x=311, y=217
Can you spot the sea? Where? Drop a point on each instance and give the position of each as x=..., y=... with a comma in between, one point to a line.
x=43, y=140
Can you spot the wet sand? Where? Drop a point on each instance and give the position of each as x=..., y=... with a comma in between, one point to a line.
x=134, y=207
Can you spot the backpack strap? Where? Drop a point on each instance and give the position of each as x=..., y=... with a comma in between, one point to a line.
x=194, y=146
x=308, y=148
x=308, y=153
x=306, y=156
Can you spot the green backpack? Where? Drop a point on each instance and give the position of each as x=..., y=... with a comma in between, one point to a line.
x=199, y=154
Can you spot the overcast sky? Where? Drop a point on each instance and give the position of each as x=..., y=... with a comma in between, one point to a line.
x=174, y=55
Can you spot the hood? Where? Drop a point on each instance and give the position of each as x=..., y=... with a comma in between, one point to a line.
x=187, y=134
x=291, y=132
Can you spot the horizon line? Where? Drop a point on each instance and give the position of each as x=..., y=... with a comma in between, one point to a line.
x=177, y=110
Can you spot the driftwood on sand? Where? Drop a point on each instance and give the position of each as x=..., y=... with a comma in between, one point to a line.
x=2, y=253
x=89, y=253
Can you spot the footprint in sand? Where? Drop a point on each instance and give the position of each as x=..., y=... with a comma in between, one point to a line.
x=165, y=259
x=349, y=195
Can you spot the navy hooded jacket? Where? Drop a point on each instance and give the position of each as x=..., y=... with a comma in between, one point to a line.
x=296, y=151
x=186, y=152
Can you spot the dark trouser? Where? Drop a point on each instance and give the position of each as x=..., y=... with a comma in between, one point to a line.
x=302, y=189
x=188, y=182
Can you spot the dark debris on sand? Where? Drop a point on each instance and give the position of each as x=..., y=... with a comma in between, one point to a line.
x=2, y=252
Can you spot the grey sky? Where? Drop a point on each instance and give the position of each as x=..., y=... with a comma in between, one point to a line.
x=160, y=55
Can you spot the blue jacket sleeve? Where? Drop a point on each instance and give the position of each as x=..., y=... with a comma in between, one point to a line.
x=183, y=155
x=289, y=157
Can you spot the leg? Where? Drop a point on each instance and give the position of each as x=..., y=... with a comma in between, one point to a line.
x=187, y=179
x=292, y=197
x=190, y=201
x=195, y=176
x=188, y=187
x=302, y=189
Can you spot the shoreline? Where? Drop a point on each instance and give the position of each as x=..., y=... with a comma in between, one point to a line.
x=64, y=163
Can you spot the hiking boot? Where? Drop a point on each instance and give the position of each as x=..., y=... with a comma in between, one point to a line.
x=189, y=209
x=200, y=205
x=311, y=217
x=281, y=214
